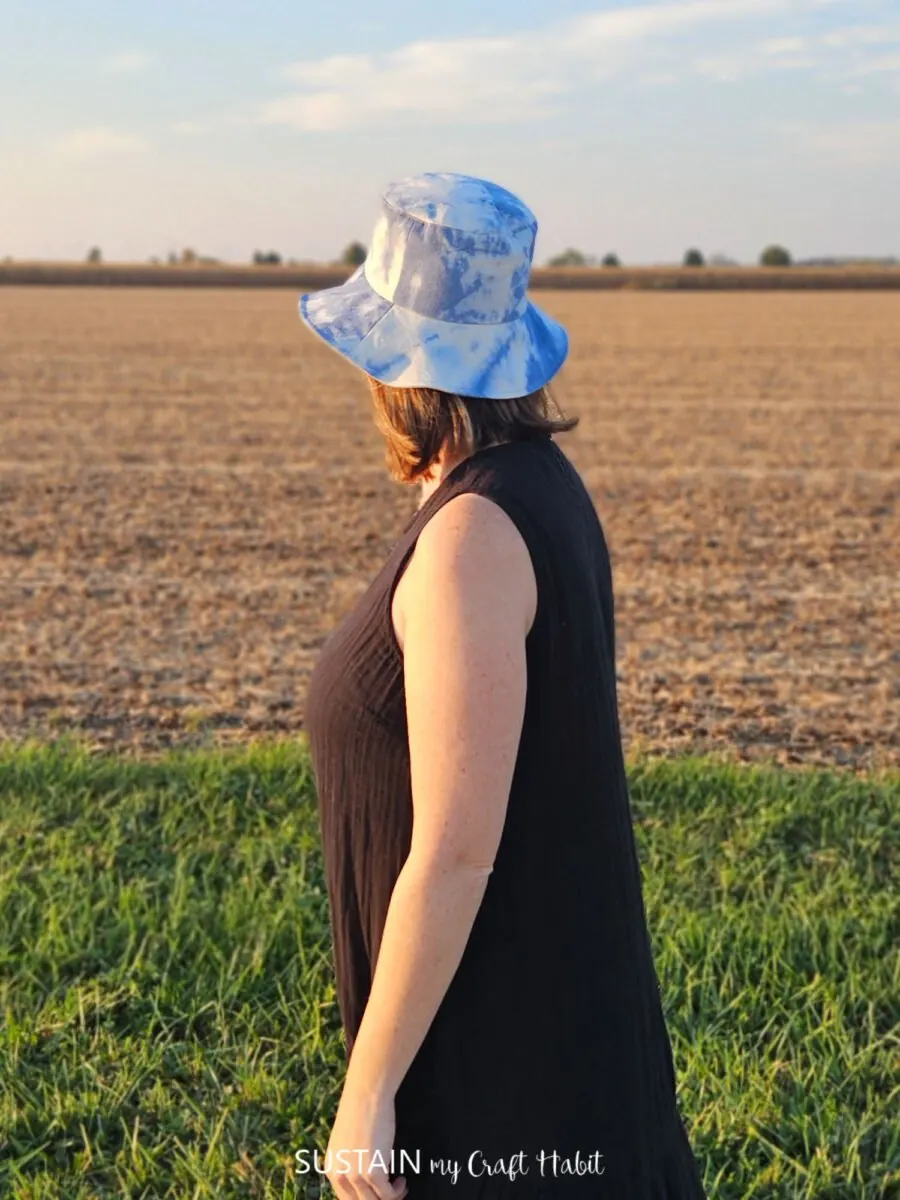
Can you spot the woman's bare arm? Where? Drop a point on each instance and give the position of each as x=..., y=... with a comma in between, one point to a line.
x=468, y=600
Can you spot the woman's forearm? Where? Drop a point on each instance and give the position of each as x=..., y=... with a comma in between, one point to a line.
x=433, y=907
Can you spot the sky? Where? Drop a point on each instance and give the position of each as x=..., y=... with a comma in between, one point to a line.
x=641, y=129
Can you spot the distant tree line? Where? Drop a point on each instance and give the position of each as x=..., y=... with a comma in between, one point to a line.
x=354, y=254
x=187, y=258
x=772, y=256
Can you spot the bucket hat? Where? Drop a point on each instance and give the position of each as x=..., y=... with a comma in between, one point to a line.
x=440, y=300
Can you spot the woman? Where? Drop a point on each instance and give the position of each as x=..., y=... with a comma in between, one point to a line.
x=495, y=977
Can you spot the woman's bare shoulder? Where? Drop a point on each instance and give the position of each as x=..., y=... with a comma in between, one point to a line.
x=470, y=545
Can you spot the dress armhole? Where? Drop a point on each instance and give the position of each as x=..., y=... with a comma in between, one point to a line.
x=520, y=517
x=388, y=604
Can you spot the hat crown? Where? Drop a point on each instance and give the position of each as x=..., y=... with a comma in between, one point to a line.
x=453, y=247
x=460, y=202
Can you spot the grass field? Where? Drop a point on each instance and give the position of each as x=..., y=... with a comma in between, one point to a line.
x=192, y=493
x=169, y=1019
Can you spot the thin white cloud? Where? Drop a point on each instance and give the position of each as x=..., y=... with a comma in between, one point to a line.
x=862, y=35
x=869, y=52
x=128, y=62
x=493, y=79
x=523, y=75
x=597, y=30
x=726, y=68
x=98, y=142
x=189, y=128
x=846, y=144
x=778, y=47
x=659, y=78
x=774, y=54
x=889, y=63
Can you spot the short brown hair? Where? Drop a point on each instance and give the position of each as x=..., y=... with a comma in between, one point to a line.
x=418, y=421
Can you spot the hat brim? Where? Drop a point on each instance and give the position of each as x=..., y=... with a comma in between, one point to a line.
x=398, y=346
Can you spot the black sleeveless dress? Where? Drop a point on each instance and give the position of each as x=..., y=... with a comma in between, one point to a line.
x=547, y=1073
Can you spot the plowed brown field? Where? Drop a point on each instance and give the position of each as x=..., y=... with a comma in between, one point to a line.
x=192, y=492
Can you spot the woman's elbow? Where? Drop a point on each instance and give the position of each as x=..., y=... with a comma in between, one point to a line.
x=451, y=864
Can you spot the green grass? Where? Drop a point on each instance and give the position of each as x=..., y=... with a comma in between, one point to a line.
x=169, y=1023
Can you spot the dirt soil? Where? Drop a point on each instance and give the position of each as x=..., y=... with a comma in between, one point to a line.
x=192, y=494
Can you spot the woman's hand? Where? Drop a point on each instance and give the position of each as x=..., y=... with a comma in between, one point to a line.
x=359, y=1149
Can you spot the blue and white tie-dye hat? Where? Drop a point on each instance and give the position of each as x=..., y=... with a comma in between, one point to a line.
x=440, y=300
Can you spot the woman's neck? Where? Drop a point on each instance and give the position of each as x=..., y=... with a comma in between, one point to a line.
x=446, y=462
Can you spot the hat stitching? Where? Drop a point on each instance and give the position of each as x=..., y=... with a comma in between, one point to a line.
x=458, y=228
x=443, y=320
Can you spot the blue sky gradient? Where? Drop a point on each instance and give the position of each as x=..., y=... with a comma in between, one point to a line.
x=639, y=128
